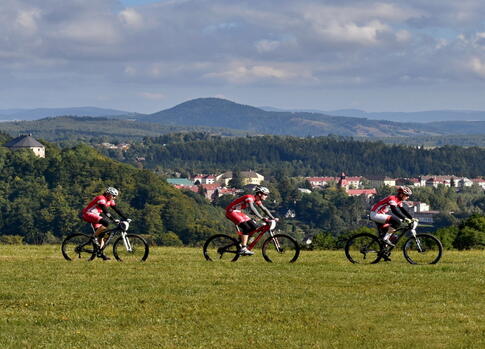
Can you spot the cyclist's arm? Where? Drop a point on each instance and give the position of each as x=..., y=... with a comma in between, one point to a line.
x=104, y=208
x=265, y=210
x=397, y=212
x=119, y=212
x=406, y=213
x=254, y=211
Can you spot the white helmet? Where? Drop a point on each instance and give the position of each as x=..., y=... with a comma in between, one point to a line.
x=262, y=190
x=112, y=191
x=405, y=190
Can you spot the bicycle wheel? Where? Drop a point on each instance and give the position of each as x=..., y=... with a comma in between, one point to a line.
x=280, y=248
x=221, y=248
x=131, y=248
x=78, y=247
x=363, y=249
x=424, y=249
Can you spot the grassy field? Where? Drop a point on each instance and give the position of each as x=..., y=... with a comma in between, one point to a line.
x=178, y=300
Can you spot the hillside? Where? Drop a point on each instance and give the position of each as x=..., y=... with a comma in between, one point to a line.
x=69, y=128
x=40, y=199
x=39, y=113
x=296, y=156
x=214, y=112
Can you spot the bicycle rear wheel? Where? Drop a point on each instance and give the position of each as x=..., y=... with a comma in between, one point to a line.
x=78, y=247
x=133, y=248
x=363, y=249
x=424, y=249
x=221, y=248
x=280, y=248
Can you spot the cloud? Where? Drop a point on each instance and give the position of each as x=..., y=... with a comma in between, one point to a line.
x=131, y=18
x=276, y=43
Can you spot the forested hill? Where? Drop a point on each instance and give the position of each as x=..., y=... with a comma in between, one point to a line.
x=40, y=199
x=305, y=156
x=214, y=112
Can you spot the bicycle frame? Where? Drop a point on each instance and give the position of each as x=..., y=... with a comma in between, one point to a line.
x=123, y=230
x=262, y=230
x=403, y=231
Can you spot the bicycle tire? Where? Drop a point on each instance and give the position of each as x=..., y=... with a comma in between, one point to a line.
x=219, y=246
x=139, y=250
x=76, y=247
x=280, y=248
x=431, y=253
x=361, y=246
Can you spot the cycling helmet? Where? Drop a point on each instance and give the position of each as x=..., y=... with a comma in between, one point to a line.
x=405, y=191
x=112, y=191
x=263, y=190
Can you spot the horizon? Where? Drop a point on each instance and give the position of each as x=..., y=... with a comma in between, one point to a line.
x=149, y=55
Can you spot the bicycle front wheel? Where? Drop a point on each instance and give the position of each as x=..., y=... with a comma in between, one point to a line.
x=280, y=248
x=363, y=249
x=221, y=248
x=78, y=247
x=130, y=248
x=424, y=249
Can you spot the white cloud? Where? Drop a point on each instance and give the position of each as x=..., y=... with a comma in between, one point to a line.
x=27, y=20
x=131, y=18
x=267, y=45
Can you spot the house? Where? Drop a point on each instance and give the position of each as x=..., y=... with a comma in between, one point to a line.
x=348, y=182
x=410, y=182
x=417, y=206
x=479, y=181
x=320, y=181
x=380, y=181
x=204, y=179
x=27, y=142
x=368, y=193
x=183, y=182
x=247, y=178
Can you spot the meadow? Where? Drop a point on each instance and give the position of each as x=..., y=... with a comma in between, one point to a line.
x=178, y=300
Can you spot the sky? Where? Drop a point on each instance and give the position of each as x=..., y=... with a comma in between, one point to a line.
x=146, y=55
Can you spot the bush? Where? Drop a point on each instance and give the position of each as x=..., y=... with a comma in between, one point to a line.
x=168, y=239
x=11, y=239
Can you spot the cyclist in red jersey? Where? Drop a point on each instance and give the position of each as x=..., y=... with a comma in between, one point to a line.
x=246, y=225
x=92, y=214
x=379, y=213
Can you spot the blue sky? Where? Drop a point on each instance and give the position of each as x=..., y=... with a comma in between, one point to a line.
x=147, y=55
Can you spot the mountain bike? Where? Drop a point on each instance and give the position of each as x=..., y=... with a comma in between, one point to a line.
x=277, y=248
x=420, y=248
x=127, y=247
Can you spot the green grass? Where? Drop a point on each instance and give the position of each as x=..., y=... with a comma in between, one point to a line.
x=178, y=300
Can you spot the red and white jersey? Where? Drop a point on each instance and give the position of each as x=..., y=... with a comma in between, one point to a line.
x=242, y=203
x=94, y=207
x=383, y=205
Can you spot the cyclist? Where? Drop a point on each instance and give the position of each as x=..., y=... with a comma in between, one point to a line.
x=379, y=213
x=245, y=224
x=92, y=214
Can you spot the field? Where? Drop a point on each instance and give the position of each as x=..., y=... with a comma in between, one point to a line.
x=178, y=300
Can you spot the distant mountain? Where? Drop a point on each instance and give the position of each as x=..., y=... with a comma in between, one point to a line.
x=418, y=116
x=39, y=113
x=214, y=112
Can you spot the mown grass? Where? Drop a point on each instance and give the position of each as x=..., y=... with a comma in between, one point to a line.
x=178, y=300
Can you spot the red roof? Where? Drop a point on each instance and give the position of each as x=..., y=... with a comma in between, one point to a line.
x=357, y=192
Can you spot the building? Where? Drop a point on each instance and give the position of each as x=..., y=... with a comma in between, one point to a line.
x=320, y=181
x=204, y=179
x=182, y=182
x=348, y=182
x=247, y=178
x=27, y=142
x=380, y=181
x=368, y=193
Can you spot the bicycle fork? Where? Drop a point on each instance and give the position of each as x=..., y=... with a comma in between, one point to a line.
x=276, y=243
x=126, y=242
